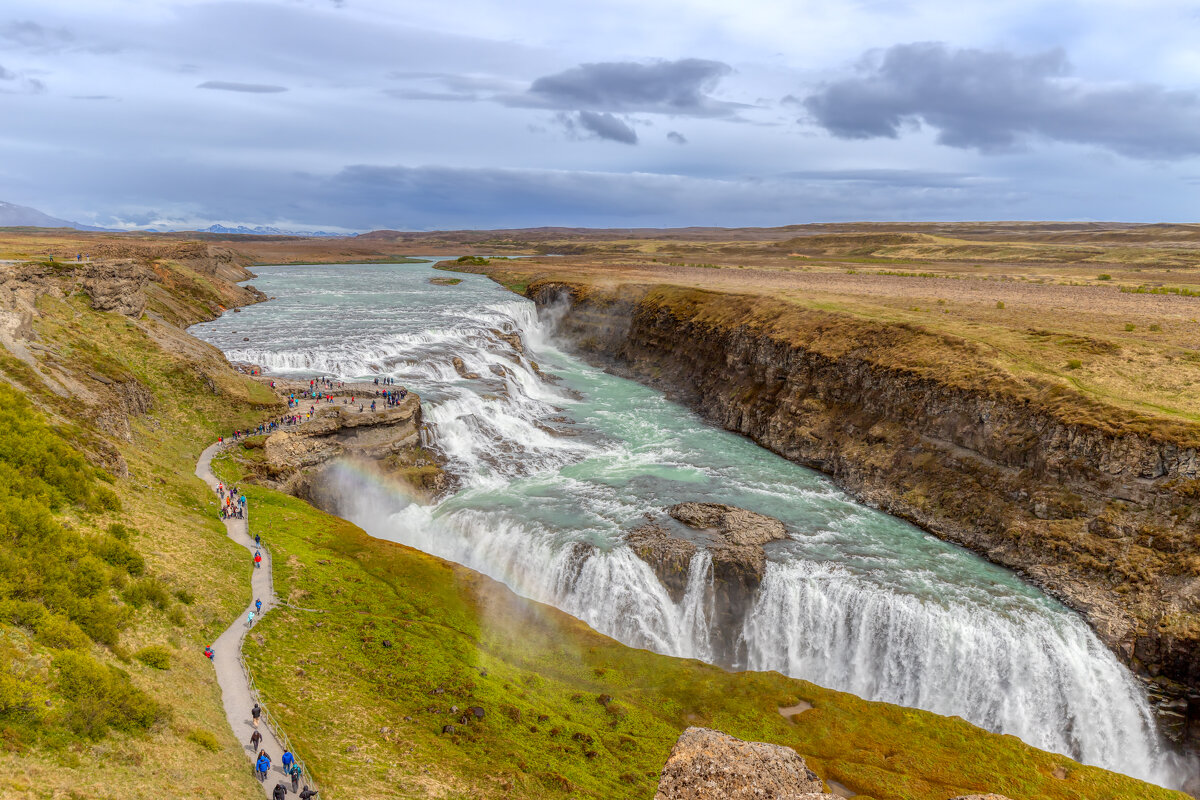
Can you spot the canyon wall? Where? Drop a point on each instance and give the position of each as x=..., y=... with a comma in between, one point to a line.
x=1101, y=514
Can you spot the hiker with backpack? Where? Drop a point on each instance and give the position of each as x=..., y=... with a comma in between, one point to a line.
x=295, y=771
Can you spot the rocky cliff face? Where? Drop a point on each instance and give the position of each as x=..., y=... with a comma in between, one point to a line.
x=155, y=287
x=387, y=441
x=1101, y=516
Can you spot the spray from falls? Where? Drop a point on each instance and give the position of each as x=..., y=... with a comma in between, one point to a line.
x=551, y=475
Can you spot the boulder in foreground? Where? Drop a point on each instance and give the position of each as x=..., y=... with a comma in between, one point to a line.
x=707, y=764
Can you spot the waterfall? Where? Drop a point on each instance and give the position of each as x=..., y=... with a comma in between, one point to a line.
x=552, y=474
x=1047, y=679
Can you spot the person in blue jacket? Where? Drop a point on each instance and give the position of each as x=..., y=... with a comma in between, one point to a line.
x=263, y=765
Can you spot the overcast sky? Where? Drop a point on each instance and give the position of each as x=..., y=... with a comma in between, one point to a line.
x=420, y=114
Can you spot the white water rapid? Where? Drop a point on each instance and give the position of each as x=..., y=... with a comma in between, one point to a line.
x=553, y=474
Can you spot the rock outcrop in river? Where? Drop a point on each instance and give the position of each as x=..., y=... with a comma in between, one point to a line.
x=1102, y=513
x=734, y=539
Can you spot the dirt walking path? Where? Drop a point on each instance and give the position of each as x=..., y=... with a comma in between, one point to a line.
x=235, y=687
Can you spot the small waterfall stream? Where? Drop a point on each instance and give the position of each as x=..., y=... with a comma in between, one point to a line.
x=553, y=474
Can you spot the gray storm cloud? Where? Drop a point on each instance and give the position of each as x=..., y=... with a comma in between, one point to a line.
x=994, y=101
x=662, y=87
x=232, y=86
x=592, y=124
x=31, y=35
x=608, y=112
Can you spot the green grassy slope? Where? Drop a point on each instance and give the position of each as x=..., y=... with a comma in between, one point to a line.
x=384, y=640
x=96, y=567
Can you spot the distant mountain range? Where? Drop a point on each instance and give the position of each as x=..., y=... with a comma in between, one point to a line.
x=15, y=216
x=266, y=230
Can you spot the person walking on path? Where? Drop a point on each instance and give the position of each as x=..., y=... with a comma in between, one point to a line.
x=255, y=740
x=258, y=605
x=262, y=765
x=279, y=793
x=250, y=620
x=257, y=560
x=255, y=713
x=295, y=771
x=308, y=793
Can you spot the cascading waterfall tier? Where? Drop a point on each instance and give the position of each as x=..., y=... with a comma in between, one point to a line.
x=552, y=475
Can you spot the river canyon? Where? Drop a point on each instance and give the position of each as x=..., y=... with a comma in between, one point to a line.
x=553, y=461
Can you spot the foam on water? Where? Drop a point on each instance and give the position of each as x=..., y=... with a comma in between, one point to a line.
x=552, y=475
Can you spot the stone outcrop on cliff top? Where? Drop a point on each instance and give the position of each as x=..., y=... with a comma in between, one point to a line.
x=118, y=287
x=705, y=765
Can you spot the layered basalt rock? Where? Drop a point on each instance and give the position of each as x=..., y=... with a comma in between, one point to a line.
x=1104, y=514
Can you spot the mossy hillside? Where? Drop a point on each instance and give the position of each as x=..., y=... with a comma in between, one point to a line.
x=174, y=578
x=76, y=597
x=379, y=632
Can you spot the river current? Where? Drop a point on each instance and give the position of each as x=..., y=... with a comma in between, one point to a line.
x=854, y=600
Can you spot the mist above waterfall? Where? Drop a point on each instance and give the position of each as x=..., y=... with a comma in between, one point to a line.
x=551, y=475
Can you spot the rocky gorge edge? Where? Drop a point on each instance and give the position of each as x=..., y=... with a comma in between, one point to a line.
x=1102, y=519
x=298, y=460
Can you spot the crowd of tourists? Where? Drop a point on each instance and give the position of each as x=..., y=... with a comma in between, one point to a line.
x=291, y=767
x=262, y=429
x=233, y=502
x=233, y=506
x=392, y=398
